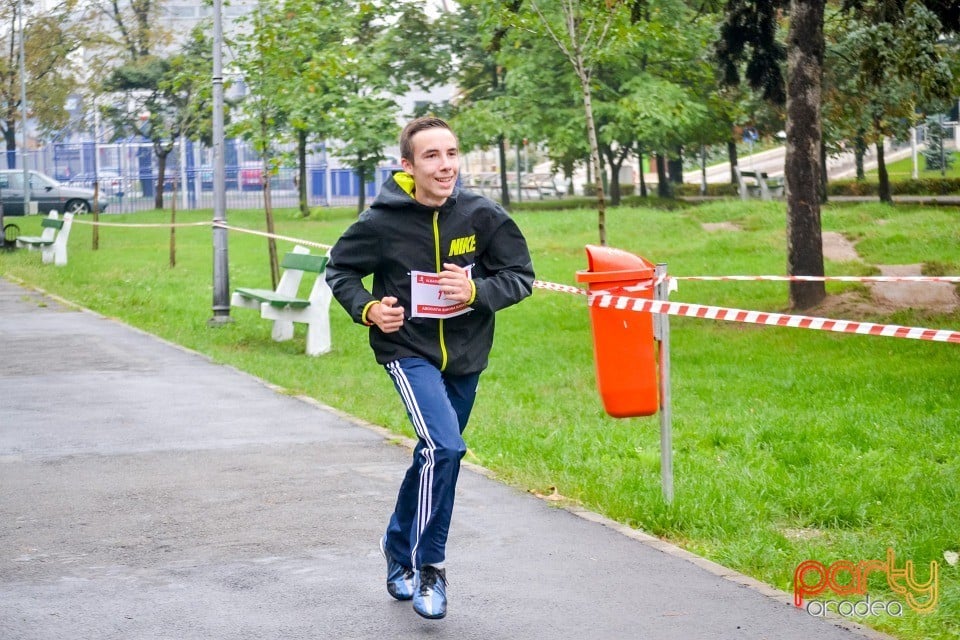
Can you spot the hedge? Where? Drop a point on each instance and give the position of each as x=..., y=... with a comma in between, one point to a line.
x=920, y=187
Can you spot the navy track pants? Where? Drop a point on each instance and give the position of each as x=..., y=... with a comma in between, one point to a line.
x=438, y=406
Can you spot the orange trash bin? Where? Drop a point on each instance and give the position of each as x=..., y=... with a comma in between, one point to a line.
x=623, y=343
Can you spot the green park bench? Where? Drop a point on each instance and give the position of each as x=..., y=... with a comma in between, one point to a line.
x=52, y=241
x=285, y=306
x=761, y=185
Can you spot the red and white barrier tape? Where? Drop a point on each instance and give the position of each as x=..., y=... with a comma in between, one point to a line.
x=564, y=288
x=775, y=319
x=552, y=286
x=309, y=243
x=756, y=317
x=954, y=279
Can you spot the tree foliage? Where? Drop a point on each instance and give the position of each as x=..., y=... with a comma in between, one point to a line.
x=330, y=73
x=49, y=40
x=132, y=31
x=163, y=100
x=749, y=46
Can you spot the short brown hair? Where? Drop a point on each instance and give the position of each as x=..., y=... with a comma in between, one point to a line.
x=416, y=126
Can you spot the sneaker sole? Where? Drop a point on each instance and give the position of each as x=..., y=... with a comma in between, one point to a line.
x=428, y=616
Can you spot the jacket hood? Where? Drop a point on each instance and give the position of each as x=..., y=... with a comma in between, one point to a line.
x=397, y=191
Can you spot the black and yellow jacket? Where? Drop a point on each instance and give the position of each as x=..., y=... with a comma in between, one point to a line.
x=397, y=234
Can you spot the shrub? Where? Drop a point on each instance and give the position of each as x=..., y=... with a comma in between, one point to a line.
x=590, y=190
x=714, y=189
x=922, y=187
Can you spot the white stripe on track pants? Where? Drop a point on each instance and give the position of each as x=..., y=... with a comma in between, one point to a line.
x=438, y=406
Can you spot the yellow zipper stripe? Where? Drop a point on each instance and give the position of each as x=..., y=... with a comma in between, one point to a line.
x=436, y=246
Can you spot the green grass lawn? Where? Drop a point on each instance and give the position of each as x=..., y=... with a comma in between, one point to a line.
x=789, y=444
x=903, y=169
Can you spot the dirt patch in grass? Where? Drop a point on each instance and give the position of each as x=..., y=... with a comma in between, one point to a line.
x=836, y=247
x=935, y=297
x=879, y=298
x=719, y=226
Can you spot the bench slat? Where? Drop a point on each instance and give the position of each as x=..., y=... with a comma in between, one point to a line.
x=37, y=240
x=53, y=223
x=275, y=300
x=304, y=262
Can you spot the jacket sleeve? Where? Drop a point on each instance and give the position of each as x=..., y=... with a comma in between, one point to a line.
x=352, y=258
x=507, y=261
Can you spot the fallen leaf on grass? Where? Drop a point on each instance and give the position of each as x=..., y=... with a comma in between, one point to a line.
x=553, y=496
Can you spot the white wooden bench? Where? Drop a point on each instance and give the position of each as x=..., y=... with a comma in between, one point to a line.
x=52, y=241
x=762, y=185
x=285, y=307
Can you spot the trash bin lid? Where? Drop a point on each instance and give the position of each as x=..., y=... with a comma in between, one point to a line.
x=606, y=264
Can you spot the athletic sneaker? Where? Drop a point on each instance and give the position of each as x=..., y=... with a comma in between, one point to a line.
x=399, y=578
x=430, y=592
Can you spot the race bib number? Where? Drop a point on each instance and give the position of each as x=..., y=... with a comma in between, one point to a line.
x=429, y=302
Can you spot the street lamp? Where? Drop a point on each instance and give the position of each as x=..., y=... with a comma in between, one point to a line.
x=221, y=276
x=23, y=116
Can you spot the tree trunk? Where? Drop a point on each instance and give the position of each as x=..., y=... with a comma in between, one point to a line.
x=883, y=188
x=496, y=70
x=643, y=177
x=504, y=187
x=663, y=183
x=732, y=156
x=10, y=137
x=302, y=173
x=615, y=165
x=362, y=179
x=594, y=150
x=271, y=241
x=859, y=150
x=568, y=167
x=823, y=172
x=161, y=178
x=805, y=46
x=675, y=167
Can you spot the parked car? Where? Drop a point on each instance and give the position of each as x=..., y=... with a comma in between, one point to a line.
x=46, y=192
x=111, y=182
x=251, y=177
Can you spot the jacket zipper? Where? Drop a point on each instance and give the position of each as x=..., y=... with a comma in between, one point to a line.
x=436, y=245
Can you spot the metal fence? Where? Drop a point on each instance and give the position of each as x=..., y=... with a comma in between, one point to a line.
x=128, y=175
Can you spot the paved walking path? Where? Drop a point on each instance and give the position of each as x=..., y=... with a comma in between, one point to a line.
x=148, y=493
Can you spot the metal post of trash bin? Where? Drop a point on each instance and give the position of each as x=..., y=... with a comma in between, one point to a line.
x=661, y=333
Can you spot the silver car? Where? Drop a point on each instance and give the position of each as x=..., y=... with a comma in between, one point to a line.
x=46, y=192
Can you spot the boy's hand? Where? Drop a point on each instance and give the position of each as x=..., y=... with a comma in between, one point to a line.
x=386, y=316
x=454, y=283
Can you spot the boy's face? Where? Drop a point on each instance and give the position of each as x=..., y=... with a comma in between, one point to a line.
x=435, y=165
